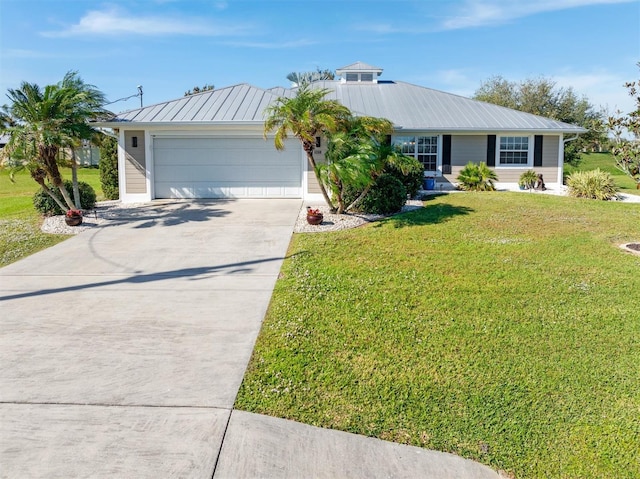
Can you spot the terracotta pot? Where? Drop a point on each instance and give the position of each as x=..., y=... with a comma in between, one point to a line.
x=73, y=220
x=315, y=219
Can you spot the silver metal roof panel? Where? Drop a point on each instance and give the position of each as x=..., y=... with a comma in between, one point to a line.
x=408, y=106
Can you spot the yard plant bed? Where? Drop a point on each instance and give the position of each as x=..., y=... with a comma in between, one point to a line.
x=501, y=327
x=20, y=233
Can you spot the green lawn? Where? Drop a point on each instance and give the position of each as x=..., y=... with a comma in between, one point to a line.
x=606, y=162
x=20, y=223
x=501, y=327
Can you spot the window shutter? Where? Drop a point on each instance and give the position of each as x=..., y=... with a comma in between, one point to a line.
x=446, y=150
x=537, y=151
x=491, y=150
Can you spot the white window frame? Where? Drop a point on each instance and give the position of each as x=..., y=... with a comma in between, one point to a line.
x=414, y=138
x=530, y=148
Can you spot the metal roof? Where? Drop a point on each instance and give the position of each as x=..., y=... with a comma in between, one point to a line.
x=238, y=103
x=407, y=106
x=413, y=107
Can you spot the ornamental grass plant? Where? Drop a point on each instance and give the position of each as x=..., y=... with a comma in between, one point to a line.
x=594, y=184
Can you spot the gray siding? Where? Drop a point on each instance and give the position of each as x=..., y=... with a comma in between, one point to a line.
x=465, y=148
x=318, y=155
x=135, y=162
x=549, y=168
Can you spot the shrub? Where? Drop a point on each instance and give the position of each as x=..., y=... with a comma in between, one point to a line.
x=109, y=168
x=595, y=184
x=528, y=179
x=412, y=181
x=477, y=177
x=387, y=195
x=47, y=206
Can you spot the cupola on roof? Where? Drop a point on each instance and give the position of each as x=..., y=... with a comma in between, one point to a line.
x=359, y=72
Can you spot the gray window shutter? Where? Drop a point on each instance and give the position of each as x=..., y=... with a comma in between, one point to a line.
x=537, y=150
x=491, y=150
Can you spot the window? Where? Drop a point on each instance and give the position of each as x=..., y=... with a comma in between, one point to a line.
x=359, y=77
x=514, y=151
x=134, y=142
x=422, y=148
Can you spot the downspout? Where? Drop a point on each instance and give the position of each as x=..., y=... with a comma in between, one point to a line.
x=561, y=157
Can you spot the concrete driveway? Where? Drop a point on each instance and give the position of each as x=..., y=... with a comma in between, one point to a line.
x=123, y=348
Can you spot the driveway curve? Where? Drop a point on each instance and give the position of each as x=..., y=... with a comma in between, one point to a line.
x=122, y=351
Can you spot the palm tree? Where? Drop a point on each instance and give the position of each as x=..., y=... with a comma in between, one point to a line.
x=302, y=79
x=47, y=120
x=358, y=156
x=477, y=177
x=305, y=116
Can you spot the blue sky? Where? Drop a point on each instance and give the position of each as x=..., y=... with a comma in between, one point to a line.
x=169, y=46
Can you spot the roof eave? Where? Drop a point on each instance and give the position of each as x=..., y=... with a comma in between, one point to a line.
x=493, y=130
x=174, y=124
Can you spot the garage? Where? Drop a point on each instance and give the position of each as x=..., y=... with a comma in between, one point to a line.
x=206, y=167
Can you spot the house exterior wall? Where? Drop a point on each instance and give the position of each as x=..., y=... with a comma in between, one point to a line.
x=549, y=168
x=88, y=156
x=135, y=162
x=466, y=148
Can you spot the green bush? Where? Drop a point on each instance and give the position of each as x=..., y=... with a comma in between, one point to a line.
x=594, y=184
x=412, y=181
x=528, y=179
x=387, y=195
x=44, y=204
x=477, y=177
x=109, y=168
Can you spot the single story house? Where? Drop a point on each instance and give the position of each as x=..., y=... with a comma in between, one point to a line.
x=211, y=145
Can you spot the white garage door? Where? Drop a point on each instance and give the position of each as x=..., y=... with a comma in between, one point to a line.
x=226, y=168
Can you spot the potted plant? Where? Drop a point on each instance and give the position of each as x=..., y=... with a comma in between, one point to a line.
x=528, y=180
x=73, y=217
x=314, y=217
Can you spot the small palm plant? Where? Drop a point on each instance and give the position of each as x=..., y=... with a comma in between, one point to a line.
x=477, y=177
x=528, y=180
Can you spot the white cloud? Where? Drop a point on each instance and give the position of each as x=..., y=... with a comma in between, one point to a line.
x=114, y=21
x=22, y=53
x=274, y=45
x=602, y=89
x=477, y=13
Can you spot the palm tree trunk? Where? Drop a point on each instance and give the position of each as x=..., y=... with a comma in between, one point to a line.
x=359, y=198
x=323, y=190
x=74, y=178
x=48, y=155
x=40, y=180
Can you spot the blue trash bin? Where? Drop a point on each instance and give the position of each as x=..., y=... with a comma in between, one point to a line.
x=429, y=183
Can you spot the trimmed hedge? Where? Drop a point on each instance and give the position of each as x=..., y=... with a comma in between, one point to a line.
x=387, y=195
x=44, y=204
x=412, y=181
x=109, y=168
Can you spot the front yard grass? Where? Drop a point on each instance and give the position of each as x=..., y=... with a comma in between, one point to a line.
x=20, y=234
x=502, y=327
